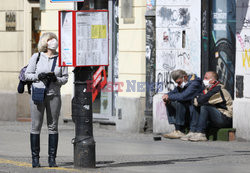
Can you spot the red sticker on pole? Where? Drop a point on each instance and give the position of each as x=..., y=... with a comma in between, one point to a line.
x=98, y=83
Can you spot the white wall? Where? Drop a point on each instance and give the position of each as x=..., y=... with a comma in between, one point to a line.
x=241, y=119
x=172, y=19
x=173, y=49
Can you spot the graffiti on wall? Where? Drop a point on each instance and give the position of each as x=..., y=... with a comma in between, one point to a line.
x=164, y=82
x=246, y=59
x=204, y=24
x=170, y=60
x=166, y=62
x=177, y=40
x=169, y=38
x=245, y=45
x=174, y=16
x=246, y=23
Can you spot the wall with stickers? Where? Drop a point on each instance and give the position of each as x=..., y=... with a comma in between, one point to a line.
x=178, y=46
x=241, y=119
x=177, y=40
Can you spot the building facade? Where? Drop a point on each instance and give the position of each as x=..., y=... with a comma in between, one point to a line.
x=21, y=24
x=148, y=40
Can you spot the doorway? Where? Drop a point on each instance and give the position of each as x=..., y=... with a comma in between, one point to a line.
x=36, y=32
x=218, y=40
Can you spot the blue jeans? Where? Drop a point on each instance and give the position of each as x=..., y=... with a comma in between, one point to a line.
x=182, y=113
x=214, y=116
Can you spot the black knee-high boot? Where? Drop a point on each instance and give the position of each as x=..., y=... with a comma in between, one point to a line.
x=35, y=149
x=53, y=142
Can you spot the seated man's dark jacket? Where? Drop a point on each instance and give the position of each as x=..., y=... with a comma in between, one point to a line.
x=218, y=97
x=190, y=90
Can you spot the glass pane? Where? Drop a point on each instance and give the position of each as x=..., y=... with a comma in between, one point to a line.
x=222, y=41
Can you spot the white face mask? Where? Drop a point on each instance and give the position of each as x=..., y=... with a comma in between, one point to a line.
x=52, y=44
x=183, y=84
x=206, y=83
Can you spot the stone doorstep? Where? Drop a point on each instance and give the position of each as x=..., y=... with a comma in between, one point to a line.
x=223, y=134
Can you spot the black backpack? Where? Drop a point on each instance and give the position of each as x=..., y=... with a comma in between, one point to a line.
x=22, y=81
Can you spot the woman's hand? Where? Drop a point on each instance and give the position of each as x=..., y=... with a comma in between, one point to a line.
x=42, y=76
x=52, y=77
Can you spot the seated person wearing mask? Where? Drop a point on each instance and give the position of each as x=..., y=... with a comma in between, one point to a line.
x=216, y=106
x=179, y=104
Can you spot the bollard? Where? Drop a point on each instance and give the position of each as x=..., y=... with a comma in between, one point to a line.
x=84, y=144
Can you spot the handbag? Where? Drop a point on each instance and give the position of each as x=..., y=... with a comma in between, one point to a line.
x=39, y=89
x=38, y=92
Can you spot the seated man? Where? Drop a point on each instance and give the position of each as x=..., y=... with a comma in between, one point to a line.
x=216, y=106
x=179, y=103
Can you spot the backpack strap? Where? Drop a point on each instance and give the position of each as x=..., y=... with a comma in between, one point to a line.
x=38, y=57
x=53, y=65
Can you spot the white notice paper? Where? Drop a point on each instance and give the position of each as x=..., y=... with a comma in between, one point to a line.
x=91, y=38
x=66, y=39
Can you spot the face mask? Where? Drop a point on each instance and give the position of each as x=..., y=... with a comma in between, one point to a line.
x=183, y=84
x=52, y=44
x=206, y=83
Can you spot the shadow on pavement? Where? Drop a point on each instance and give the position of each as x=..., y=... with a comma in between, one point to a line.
x=106, y=164
x=160, y=162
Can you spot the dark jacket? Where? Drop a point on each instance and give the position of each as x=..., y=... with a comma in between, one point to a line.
x=218, y=97
x=190, y=90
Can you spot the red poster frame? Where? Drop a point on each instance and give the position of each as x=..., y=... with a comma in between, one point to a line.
x=74, y=37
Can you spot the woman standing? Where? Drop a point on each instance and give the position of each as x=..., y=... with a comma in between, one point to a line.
x=43, y=69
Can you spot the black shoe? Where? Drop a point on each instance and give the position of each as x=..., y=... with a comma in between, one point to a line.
x=52, y=162
x=35, y=162
x=53, y=142
x=35, y=149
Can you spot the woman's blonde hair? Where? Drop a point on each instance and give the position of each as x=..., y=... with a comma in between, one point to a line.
x=42, y=44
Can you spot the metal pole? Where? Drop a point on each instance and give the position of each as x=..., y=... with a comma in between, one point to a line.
x=82, y=116
x=84, y=144
x=150, y=64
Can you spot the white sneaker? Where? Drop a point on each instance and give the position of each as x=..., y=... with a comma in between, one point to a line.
x=188, y=136
x=198, y=137
x=174, y=135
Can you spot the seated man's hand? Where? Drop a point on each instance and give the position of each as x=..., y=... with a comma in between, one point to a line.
x=195, y=102
x=165, y=98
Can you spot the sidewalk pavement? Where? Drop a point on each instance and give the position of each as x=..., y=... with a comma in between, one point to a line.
x=122, y=152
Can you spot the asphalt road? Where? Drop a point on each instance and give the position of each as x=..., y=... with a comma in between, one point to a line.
x=122, y=152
